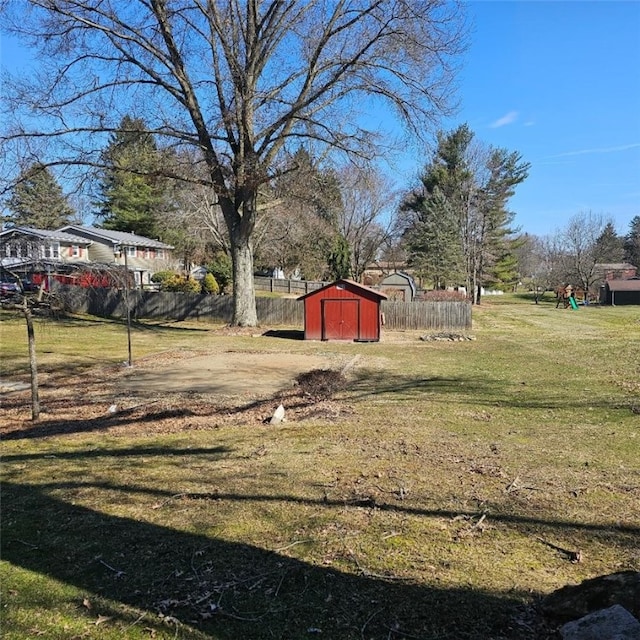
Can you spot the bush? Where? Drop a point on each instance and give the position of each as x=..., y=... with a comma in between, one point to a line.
x=178, y=283
x=439, y=295
x=221, y=269
x=161, y=276
x=209, y=285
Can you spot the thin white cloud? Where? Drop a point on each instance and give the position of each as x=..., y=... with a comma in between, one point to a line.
x=508, y=118
x=582, y=152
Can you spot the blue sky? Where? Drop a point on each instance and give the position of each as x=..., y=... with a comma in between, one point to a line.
x=559, y=82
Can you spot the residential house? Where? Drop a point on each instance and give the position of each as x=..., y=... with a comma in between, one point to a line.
x=143, y=256
x=615, y=271
x=26, y=244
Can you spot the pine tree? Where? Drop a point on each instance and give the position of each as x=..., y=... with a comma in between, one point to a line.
x=632, y=243
x=339, y=259
x=462, y=223
x=433, y=243
x=609, y=246
x=38, y=201
x=132, y=194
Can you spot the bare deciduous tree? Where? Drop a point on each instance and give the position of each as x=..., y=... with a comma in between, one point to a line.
x=581, y=250
x=366, y=197
x=238, y=80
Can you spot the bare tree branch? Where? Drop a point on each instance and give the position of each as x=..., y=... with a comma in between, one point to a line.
x=239, y=81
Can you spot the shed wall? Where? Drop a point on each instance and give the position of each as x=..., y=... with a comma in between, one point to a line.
x=368, y=316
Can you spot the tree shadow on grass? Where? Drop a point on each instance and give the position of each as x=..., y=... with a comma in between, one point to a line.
x=136, y=324
x=232, y=590
x=475, y=391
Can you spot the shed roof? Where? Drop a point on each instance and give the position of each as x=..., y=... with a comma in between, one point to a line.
x=632, y=284
x=351, y=283
x=400, y=274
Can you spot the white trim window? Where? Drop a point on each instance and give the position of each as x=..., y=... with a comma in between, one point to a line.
x=131, y=252
x=160, y=254
x=75, y=251
x=51, y=250
x=147, y=253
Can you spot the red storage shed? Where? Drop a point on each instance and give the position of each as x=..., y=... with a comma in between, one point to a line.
x=342, y=310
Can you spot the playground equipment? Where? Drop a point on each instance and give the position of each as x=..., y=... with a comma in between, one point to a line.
x=566, y=296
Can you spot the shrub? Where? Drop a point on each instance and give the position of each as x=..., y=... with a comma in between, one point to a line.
x=221, y=269
x=209, y=285
x=161, y=276
x=176, y=282
x=439, y=295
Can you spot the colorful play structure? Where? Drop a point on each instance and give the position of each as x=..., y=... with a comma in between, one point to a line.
x=567, y=296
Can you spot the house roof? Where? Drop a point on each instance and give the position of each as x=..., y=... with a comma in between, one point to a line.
x=632, y=284
x=614, y=266
x=45, y=234
x=351, y=283
x=118, y=237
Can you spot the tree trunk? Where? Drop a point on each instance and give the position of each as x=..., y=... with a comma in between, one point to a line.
x=244, y=295
x=33, y=364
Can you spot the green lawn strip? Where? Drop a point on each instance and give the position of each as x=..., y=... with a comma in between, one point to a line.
x=450, y=493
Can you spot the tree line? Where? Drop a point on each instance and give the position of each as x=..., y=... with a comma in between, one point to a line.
x=241, y=133
x=320, y=222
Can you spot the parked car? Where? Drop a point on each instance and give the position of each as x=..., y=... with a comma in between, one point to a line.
x=29, y=286
x=9, y=289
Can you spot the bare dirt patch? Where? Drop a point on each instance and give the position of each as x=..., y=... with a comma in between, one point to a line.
x=180, y=391
x=229, y=373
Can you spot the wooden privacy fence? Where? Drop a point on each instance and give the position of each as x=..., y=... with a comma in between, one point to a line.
x=279, y=285
x=434, y=316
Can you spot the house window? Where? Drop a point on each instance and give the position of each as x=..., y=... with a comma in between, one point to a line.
x=160, y=254
x=131, y=252
x=75, y=251
x=51, y=250
x=147, y=253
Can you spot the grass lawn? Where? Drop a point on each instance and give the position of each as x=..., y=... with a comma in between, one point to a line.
x=438, y=494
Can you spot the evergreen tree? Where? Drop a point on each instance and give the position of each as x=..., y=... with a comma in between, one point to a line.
x=494, y=259
x=308, y=184
x=632, y=243
x=339, y=259
x=461, y=226
x=131, y=191
x=220, y=268
x=38, y=201
x=433, y=243
x=609, y=246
